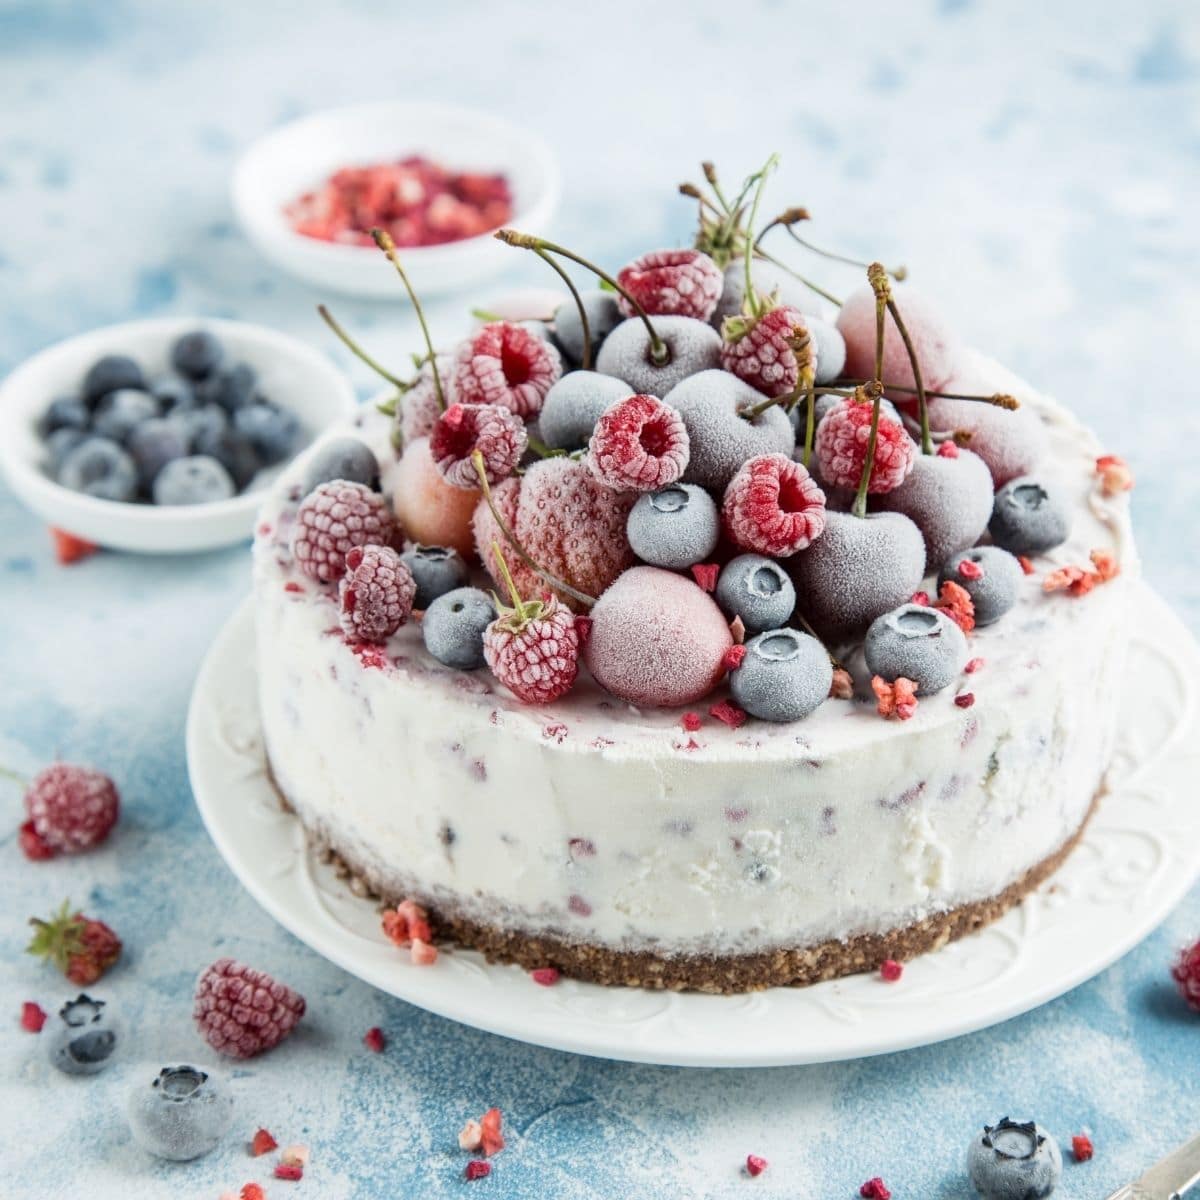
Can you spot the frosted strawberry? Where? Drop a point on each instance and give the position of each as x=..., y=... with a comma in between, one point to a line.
x=773, y=506
x=533, y=647
x=508, y=365
x=639, y=444
x=769, y=352
x=842, y=441
x=683, y=283
x=464, y=428
x=81, y=947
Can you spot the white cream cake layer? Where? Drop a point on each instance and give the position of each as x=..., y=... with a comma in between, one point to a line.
x=598, y=823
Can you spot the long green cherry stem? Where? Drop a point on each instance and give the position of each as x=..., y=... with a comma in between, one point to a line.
x=359, y=352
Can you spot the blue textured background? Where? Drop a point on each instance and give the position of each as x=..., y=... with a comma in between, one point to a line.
x=1036, y=164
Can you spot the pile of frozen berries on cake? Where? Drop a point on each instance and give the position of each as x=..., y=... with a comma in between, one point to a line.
x=703, y=471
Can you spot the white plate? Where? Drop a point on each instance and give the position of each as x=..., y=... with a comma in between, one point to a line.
x=1138, y=858
x=287, y=162
x=289, y=371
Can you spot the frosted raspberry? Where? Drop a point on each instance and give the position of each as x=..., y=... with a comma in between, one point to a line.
x=1186, y=973
x=505, y=364
x=534, y=650
x=489, y=428
x=639, y=444
x=841, y=447
x=333, y=519
x=765, y=356
x=242, y=1012
x=672, y=283
x=417, y=410
x=70, y=808
x=569, y=522
x=376, y=594
x=773, y=506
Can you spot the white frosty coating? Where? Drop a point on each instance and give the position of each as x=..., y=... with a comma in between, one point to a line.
x=858, y=569
x=768, y=279
x=693, y=345
x=603, y=316
x=721, y=440
x=763, y=836
x=948, y=499
x=574, y=405
x=830, y=350
x=916, y=642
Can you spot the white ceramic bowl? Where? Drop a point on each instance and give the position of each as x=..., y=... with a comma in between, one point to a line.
x=290, y=372
x=279, y=167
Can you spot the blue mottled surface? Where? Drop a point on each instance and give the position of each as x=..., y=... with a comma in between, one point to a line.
x=1036, y=163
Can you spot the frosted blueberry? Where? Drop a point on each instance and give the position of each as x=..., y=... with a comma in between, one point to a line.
x=81, y=1037
x=196, y=479
x=197, y=354
x=918, y=643
x=1028, y=517
x=99, y=467
x=120, y=412
x=603, y=314
x=674, y=527
x=232, y=451
x=343, y=458
x=173, y=392
x=1011, y=1161
x=453, y=627
x=691, y=346
x=767, y=279
x=574, y=405
x=720, y=439
x=155, y=443
x=784, y=676
x=230, y=389
x=830, y=347
x=995, y=591
x=205, y=420
x=758, y=590
x=61, y=442
x=436, y=571
x=110, y=374
x=65, y=412
x=270, y=429
x=184, y=1113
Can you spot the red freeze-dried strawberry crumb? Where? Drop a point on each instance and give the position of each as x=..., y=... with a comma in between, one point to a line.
x=374, y=1040
x=773, y=506
x=737, y=630
x=1081, y=1147
x=544, y=976
x=33, y=845
x=406, y=921
x=478, y=1169
x=947, y=449
x=970, y=570
x=705, y=575
x=897, y=699
x=1115, y=475
x=1026, y=564
x=875, y=1189
x=33, y=1017
x=579, y=906
x=964, y=699
x=920, y=598
x=842, y=687
x=491, y=1140
x=729, y=714
x=262, y=1143
x=734, y=656
x=497, y=433
x=1105, y=562
x=583, y=629
x=252, y=1191
x=890, y=970
x=639, y=444
x=755, y=1164
x=292, y=1171
x=973, y=665
x=292, y=586
x=68, y=548
x=955, y=601
x=423, y=954
x=684, y=283
x=691, y=721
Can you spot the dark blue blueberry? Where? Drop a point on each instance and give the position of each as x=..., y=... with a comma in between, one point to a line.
x=173, y=392
x=343, y=458
x=109, y=374
x=918, y=643
x=61, y=442
x=155, y=443
x=453, y=627
x=271, y=430
x=120, y=412
x=758, y=590
x=995, y=591
x=1029, y=517
x=196, y=479
x=197, y=354
x=184, y=1113
x=436, y=570
x=230, y=389
x=603, y=314
x=206, y=420
x=784, y=676
x=99, y=467
x=675, y=527
x=232, y=451
x=67, y=412
x=81, y=1037
x=1012, y=1161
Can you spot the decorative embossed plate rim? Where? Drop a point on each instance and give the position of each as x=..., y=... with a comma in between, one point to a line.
x=1138, y=858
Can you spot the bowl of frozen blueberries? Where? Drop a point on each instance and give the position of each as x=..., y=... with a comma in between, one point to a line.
x=159, y=436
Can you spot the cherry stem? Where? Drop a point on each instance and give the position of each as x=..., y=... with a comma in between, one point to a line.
x=810, y=419
x=710, y=174
x=359, y=352
x=506, y=574
x=13, y=777
x=922, y=405
x=751, y=299
x=998, y=399
x=383, y=240
x=897, y=273
x=523, y=554
x=660, y=355
x=808, y=283
x=879, y=283
x=585, y=363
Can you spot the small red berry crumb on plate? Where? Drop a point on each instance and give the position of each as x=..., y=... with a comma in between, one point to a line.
x=478, y=1168
x=68, y=548
x=875, y=1189
x=252, y=1191
x=33, y=1017
x=545, y=976
x=755, y=1164
x=964, y=699
x=374, y=1040
x=292, y=1171
x=262, y=1143
x=1081, y=1147
x=890, y=970
x=295, y=1156
x=1186, y=973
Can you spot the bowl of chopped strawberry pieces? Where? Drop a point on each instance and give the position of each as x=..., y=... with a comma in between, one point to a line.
x=438, y=179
